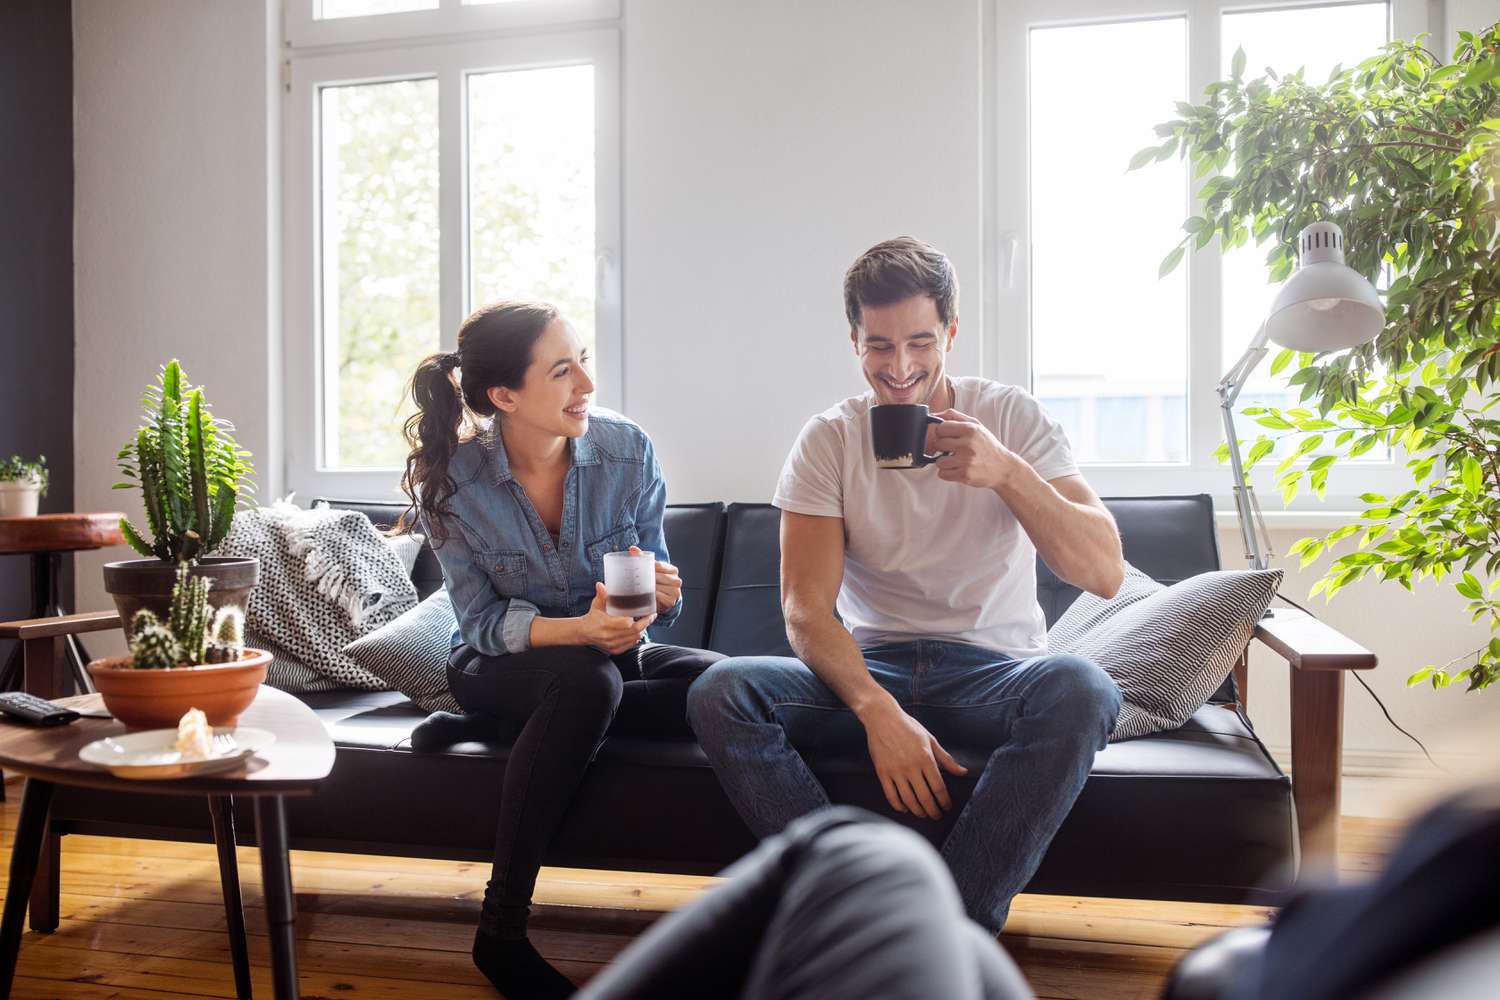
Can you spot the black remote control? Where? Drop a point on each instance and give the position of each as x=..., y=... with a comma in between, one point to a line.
x=29, y=708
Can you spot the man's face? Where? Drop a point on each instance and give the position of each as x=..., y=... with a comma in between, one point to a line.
x=902, y=348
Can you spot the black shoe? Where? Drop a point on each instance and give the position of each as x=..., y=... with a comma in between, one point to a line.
x=441, y=730
x=518, y=971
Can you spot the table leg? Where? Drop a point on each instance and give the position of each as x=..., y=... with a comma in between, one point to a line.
x=30, y=828
x=276, y=875
x=221, y=808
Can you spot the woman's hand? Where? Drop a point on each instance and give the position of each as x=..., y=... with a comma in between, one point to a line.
x=668, y=584
x=611, y=633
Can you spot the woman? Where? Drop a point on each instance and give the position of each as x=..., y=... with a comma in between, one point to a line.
x=520, y=509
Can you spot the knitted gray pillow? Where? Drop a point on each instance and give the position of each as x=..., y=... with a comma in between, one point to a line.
x=1169, y=650
x=411, y=653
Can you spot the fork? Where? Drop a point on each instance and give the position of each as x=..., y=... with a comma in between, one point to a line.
x=223, y=742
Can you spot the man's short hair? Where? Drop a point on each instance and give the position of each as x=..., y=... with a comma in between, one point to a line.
x=894, y=271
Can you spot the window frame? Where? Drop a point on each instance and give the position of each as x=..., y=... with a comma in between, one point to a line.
x=1007, y=320
x=450, y=63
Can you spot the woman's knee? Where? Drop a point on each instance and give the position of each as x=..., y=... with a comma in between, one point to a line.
x=588, y=679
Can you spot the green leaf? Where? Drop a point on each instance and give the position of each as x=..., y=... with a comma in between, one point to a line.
x=1473, y=474
x=1170, y=262
x=1237, y=65
x=1142, y=158
x=1282, y=360
x=1259, y=450
x=1469, y=587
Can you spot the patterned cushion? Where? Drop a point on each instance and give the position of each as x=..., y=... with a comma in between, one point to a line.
x=1170, y=649
x=411, y=653
x=326, y=579
x=1088, y=611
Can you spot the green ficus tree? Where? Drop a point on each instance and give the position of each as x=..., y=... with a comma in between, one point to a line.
x=1403, y=153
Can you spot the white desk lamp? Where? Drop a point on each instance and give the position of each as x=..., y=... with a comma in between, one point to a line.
x=1325, y=306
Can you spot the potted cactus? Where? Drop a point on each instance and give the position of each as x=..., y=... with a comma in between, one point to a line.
x=22, y=484
x=192, y=477
x=193, y=657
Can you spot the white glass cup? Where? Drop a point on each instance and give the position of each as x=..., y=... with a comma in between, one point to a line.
x=630, y=584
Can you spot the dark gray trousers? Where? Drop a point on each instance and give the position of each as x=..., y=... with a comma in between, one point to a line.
x=842, y=904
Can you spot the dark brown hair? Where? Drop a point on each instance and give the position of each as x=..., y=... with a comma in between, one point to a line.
x=894, y=271
x=494, y=349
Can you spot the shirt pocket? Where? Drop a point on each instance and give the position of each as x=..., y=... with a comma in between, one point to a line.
x=617, y=540
x=506, y=570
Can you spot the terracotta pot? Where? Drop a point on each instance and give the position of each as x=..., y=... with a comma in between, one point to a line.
x=158, y=699
x=147, y=583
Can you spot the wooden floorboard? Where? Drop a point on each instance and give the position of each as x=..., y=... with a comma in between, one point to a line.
x=144, y=919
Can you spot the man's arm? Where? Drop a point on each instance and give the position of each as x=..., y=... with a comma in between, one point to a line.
x=1074, y=533
x=1067, y=522
x=905, y=755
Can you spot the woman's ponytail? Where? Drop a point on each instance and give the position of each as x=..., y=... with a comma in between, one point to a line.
x=494, y=349
x=433, y=434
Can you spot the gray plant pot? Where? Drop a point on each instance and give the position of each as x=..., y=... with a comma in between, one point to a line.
x=147, y=583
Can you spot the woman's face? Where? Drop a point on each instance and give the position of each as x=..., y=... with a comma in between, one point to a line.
x=554, y=398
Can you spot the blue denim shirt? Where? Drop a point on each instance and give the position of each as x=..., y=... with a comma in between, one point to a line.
x=499, y=563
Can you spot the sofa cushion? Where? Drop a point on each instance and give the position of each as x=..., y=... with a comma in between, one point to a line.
x=411, y=653
x=747, y=612
x=695, y=538
x=1201, y=812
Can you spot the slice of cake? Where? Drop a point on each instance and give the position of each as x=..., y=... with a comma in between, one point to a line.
x=195, y=737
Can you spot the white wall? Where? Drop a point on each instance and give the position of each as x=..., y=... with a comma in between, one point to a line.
x=765, y=146
x=172, y=227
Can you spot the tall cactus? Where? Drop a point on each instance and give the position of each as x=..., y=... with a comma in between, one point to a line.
x=191, y=473
x=189, y=617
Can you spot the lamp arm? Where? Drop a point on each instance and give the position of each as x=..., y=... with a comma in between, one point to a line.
x=1252, y=523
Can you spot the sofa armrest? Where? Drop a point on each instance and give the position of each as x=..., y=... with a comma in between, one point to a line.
x=47, y=628
x=1309, y=644
x=43, y=641
x=1318, y=657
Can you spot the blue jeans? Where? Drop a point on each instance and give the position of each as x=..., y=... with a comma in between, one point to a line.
x=1040, y=720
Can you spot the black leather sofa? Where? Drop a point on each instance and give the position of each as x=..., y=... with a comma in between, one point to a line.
x=1202, y=813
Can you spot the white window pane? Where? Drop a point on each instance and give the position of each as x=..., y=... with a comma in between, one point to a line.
x=1109, y=338
x=379, y=262
x=1315, y=39
x=531, y=189
x=330, y=9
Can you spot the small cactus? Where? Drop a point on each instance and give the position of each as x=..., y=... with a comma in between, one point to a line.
x=228, y=642
x=189, y=617
x=155, y=648
x=187, y=637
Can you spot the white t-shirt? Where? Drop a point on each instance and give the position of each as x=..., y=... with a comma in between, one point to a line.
x=925, y=558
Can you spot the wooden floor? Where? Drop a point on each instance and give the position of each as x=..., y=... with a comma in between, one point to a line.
x=144, y=919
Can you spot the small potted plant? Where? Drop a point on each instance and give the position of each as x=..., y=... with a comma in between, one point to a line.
x=195, y=657
x=22, y=484
x=192, y=477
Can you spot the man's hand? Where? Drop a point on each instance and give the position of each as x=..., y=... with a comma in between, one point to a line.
x=973, y=455
x=668, y=584
x=906, y=758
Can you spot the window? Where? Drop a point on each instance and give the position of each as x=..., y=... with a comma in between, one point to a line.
x=422, y=180
x=1127, y=361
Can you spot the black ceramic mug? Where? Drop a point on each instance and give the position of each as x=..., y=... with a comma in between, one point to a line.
x=898, y=433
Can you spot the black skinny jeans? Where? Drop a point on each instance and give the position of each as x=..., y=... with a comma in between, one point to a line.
x=565, y=699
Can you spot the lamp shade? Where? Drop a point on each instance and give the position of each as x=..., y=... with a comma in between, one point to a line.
x=1325, y=305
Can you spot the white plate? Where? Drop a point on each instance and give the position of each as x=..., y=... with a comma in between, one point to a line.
x=153, y=754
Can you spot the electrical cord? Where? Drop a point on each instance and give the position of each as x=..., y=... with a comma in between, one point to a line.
x=1384, y=711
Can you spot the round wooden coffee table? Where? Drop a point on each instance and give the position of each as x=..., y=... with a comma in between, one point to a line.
x=300, y=758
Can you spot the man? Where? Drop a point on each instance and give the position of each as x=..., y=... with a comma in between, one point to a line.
x=933, y=573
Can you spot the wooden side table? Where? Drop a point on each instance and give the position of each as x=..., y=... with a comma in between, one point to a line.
x=46, y=538
x=300, y=758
